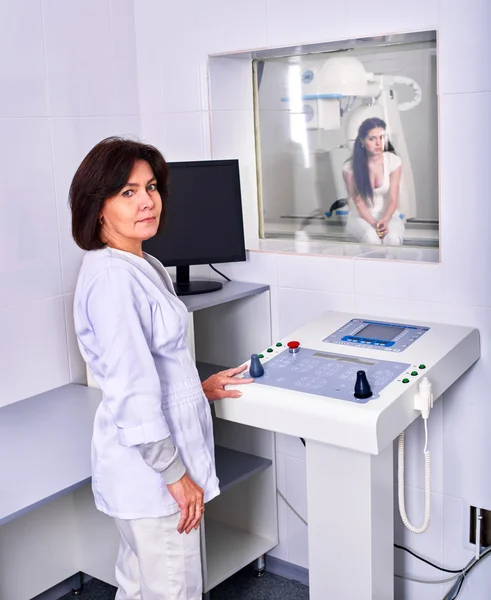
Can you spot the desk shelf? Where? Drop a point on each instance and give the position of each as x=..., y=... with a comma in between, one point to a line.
x=206, y=370
x=50, y=526
x=229, y=549
x=234, y=467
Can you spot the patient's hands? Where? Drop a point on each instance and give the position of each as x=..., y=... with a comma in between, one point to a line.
x=383, y=228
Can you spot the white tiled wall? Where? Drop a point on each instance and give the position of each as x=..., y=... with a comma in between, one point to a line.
x=225, y=26
x=464, y=178
x=34, y=354
x=429, y=545
x=457, y=291
x=88, y=69
x=30, y=265
x=79, y=66
x=68, y=75
x=465, y=47
x=291, y=23
x=24, y=78
x=383, y=16
x=72, y=138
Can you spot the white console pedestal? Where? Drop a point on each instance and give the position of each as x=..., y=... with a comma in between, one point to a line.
x=350, y=516
x=309, y=390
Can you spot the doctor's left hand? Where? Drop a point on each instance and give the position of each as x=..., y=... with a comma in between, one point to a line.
x=214, y=386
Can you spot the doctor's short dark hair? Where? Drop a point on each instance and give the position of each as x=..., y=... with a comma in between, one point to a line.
x=101, y=175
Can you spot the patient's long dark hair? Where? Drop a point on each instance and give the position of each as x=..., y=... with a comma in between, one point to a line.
x=359, y=159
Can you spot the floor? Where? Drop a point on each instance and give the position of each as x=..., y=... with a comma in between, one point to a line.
x=242, y=586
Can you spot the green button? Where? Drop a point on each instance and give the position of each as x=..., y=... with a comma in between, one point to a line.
x=279, y=344
x=261, y=355
x=414, y=373
x=405, y=380
x=422, y=366
x=270, y=349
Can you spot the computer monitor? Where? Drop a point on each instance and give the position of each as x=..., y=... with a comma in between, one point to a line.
x=204, y=221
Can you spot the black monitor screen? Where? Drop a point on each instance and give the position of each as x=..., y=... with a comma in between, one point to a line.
x=204, y=215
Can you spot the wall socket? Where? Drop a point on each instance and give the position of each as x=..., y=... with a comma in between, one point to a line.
x=485, y=526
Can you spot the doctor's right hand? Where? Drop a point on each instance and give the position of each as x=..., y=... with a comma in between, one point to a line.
x=190, y=499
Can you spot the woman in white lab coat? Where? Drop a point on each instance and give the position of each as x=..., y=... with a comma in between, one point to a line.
x=372, y=177
x=152, y=450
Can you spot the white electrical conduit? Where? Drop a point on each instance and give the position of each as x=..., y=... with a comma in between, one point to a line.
x=423, y=401
x=478, y=533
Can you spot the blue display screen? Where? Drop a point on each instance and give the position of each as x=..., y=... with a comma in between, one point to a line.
x=383, y=333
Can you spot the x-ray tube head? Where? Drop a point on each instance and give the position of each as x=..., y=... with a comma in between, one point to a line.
x=343, y=76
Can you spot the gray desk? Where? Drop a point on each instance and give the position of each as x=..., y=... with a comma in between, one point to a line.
x=54, y=457
x=45, y=440
x=45, y=447
x=50, y=528
x=232, y=290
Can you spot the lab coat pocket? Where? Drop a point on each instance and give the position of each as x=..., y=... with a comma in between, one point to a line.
x=195, y=455
x=191, y=431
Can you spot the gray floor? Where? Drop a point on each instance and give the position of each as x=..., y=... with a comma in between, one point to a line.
x=242, y=586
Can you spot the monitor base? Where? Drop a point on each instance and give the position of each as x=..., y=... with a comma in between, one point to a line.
x=190, y=288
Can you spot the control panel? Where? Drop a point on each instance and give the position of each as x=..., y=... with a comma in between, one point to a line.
x=350, y=378
x=380, y=335
x=323, y=383
x=290, y=366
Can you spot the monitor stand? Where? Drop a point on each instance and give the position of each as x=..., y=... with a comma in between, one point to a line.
x=184, y=287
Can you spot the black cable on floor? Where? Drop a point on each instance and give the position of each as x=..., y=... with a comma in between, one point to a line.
x=217, y=271
x=427, y=561
x=460, y=587
x=465, y=574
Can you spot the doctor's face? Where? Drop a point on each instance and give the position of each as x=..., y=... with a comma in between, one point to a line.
x=133, y=215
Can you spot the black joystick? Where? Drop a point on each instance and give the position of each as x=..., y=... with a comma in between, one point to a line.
x=256, y=369
x=362, y=387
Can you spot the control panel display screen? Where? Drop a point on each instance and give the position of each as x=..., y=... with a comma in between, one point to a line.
x=376, y=335
x=384, y=333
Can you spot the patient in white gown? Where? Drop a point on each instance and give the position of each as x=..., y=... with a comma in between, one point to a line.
x=372, y=177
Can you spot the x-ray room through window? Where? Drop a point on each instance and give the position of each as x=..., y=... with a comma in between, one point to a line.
x=347, y=143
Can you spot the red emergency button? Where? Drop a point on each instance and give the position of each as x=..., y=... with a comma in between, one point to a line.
x=294, y=346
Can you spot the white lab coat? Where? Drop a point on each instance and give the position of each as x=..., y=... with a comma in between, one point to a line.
x=132, y=332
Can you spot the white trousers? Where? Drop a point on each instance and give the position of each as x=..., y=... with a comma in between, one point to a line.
x=155, y=562
x=364, y=233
